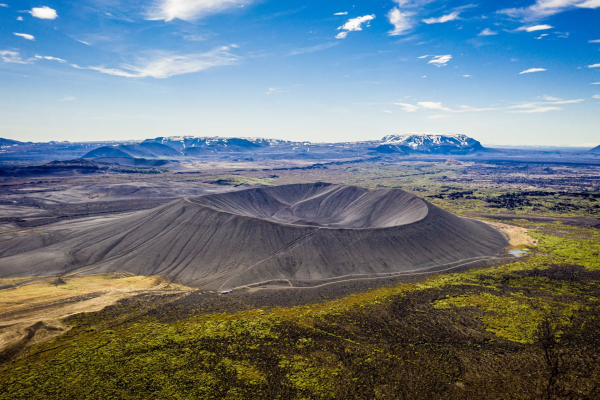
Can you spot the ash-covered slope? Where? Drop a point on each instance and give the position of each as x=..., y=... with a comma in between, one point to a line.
x=295, y=233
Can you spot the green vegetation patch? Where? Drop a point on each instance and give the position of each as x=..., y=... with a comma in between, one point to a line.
x=491, y=333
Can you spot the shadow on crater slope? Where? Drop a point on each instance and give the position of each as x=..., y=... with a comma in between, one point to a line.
x=297, y=234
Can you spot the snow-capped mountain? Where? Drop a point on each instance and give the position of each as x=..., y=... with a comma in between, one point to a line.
x=431, y=143
x=185, y=143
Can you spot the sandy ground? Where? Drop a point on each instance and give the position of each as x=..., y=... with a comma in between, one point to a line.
x=516, y=236
x=32, y=313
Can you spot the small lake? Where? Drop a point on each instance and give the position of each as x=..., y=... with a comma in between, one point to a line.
x=518, y=253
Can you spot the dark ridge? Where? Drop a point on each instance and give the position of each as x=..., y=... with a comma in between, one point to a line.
x=107, y=152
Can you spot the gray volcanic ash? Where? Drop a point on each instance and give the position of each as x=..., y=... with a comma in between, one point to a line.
x=301, y=234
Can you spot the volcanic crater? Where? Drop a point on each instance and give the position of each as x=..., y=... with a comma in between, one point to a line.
x=299, y=235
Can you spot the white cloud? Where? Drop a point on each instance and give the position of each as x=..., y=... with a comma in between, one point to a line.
x=13, y=57
x=19, y=18
x=596, y=96
x=353, y=25
x=440, y=61
x=444, y=18
x=531, y=70
x=595, y=83
x=487, y=32
x=467, y=76
x=342, y=13
x=24, y=36
x=424, y=57
x=413, y=3
x=542, y=107
x=402, y=21
x=550, y=98
x=43, y=13
x=437, y=106
x=408, y=107
x=533, y=108
x=272, y=91
x=81, y=41
x=568, y=101
x=171, y=65
x=550, y=104
x=430, y=105
x=313, y=49
x=594, y=66
x=545, y=8
x=543, y=35
x=594, y=41
x=195, y=38
x=190, y=10
x=3, y=5
x=534, y=28
x=60, y=60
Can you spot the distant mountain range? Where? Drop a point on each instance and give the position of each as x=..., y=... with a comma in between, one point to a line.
x=190, y=147
x=595, y=149
x=149, y=152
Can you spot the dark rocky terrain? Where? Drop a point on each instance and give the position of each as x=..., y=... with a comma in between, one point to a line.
x=295, y=235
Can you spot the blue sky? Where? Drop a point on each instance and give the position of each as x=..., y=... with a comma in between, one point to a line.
x=504, y=72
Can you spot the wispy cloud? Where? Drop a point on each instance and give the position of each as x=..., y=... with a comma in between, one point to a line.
x=467, y=76
x=595, y=83
x=170, y=65
x=24, y=36
x=408, y=107
x=402, y=21
x=534, y=28
x=3, y=5
x=596, y=96
x=13, y=57
x=273, y=91
x=60, y=60
x=594, y=41
x=440, y=61
x=353, y=25
x=550, y=104
x=536, y=107
x=532, y=70
x=43, y=13
x=594, y=66
x=533, y=108
x=313, y=49
x=487, y=32
x=546, y=8
x=444, y=18
x=190, y=10
x=341, y=13
x=437, y=106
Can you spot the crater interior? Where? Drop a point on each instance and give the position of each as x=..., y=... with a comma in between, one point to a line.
x=322, y=205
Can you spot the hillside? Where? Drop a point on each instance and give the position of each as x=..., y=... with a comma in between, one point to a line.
x=300, y=234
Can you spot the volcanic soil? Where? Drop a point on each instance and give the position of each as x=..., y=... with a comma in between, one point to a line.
x=297, y=235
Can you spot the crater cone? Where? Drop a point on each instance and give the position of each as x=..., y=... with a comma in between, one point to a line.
x=301, y=234
x=322, y=205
